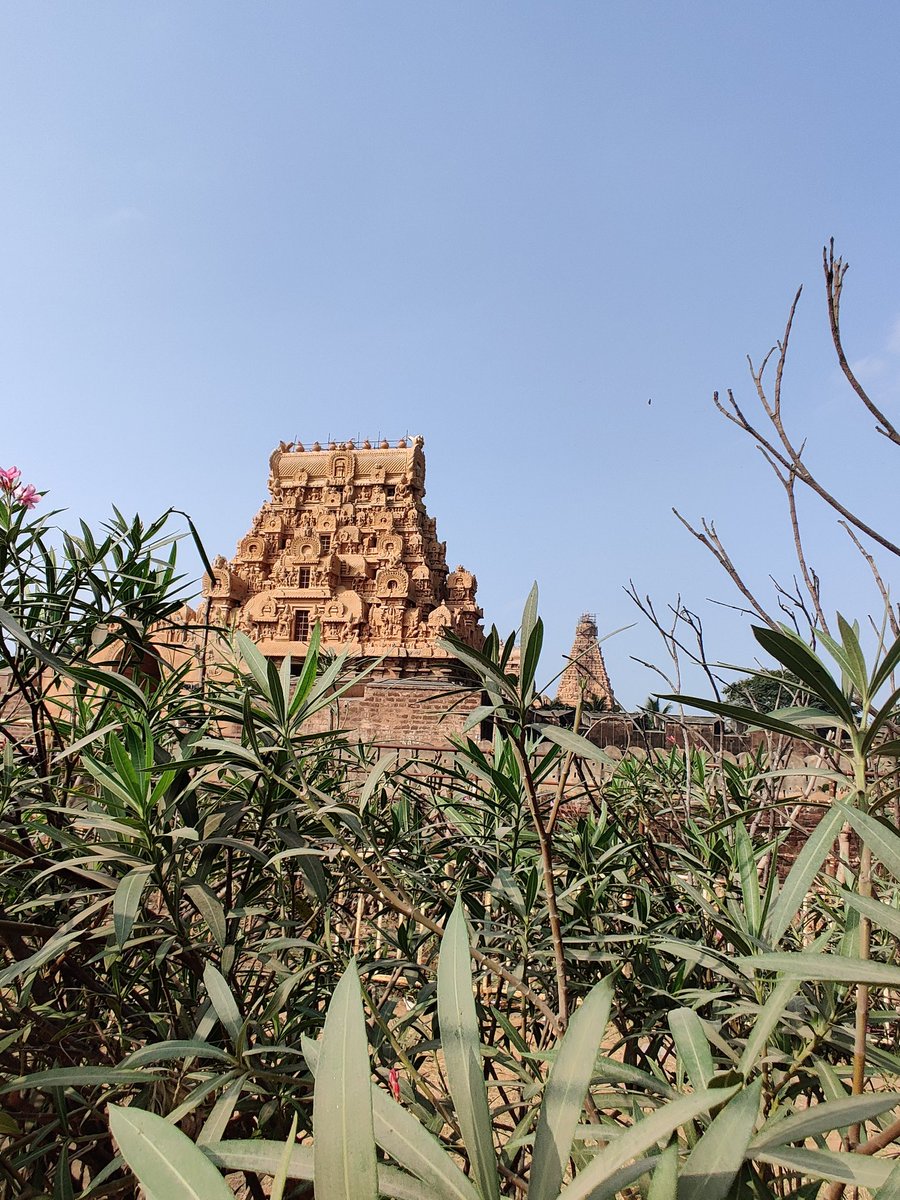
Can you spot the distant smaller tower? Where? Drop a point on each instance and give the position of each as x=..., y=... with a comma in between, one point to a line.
x=586, y=673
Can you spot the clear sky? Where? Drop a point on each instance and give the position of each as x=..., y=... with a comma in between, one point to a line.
x=505, y=226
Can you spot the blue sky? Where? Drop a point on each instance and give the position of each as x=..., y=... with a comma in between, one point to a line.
x=504, y=226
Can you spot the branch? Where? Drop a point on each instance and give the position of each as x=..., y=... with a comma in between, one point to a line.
x=835, y=270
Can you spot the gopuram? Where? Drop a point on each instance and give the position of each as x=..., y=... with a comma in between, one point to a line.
x=345, y=541
x=585, y=678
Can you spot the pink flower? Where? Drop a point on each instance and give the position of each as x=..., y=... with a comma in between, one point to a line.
x=670, y=740
x=28, y=495
x=9, y=478
x=394, y=1082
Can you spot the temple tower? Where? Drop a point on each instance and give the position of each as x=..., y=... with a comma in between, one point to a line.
x=585, y=676
x=345, y=541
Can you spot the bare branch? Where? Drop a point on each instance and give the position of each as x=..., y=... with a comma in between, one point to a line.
x=710, y=539
x=888, y=606
x=835, y=270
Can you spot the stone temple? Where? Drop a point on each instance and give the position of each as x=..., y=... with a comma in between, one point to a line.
x=585, y=677
x=345, y=540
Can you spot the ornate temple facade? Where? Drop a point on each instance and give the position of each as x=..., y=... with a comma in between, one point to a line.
x=345, y=541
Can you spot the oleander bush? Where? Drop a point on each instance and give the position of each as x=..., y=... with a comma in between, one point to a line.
x=239, y=955
x=186, y=913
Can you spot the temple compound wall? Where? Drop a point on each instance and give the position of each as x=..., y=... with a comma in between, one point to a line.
x=344, y=541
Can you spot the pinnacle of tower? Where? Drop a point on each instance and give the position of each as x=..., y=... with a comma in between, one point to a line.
x=585, y=676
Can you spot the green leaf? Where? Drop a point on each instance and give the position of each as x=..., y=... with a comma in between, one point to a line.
x=66, y=1077
x=890, y=1189
x=857, y=668
x=166, y=1163
x=765, y=1024
x=632, y=1142
x=565, y=1090
x=461, y=1044
x=885, y=916
x=223, y=1001
x=166, y=1051
x=308, y=674
x=829, y=967
x=529, y=617
x=806, y=866
x=343, y=1133
x=401, y=1136
x=792, y=652
x=749, y=716
x=127, y=901
x=223, y=1110
x=694, y=1053
x=885, y=668
x=210, y=909
x=280, y=1178
x=828, y=1164
x=823, y=1118
x=256, y=662
x=664, y=1184
x=264, y=1157
x=374, y=778
x=881, y=840
x=575, y=744
x=715, y=1160
x=504, y=886
x=749, y=875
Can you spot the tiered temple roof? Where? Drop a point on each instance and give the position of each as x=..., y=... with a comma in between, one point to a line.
x=345, y=540
x=585, y=676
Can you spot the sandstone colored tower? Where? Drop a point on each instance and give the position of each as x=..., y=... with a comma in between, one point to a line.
x=345, y=541
x=586, y=674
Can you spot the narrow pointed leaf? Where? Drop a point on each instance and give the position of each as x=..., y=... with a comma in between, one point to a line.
x=343, y=1134
x=461, y=1042
x=165, y=1161
x=640, y=1137
x=256, y=661
x=210, y=909
x=222, y=1000
x=575, y=744
x=749, y=716
x=694, y=1052
x=827, y=1164
x=801, y=875
x=127, y=901
x=882, y=841
x=822, y=1118
x=408, y=1142
x=794, y=654
x=565, y=1090
x=715, y=1160
x=885, y=916
x=749, y=875
x=887, y=665
x=664, y=1184
x=829, y=967
x=766, y=1023
x=264, y=1157
x=222, y=1112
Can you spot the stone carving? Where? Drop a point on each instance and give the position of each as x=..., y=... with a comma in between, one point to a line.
x=348, y=522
